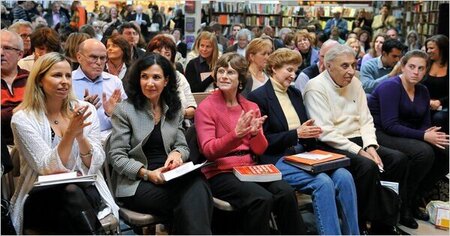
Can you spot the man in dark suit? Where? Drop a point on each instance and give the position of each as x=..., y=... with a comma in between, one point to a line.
x=56, y=16
x=142, y=19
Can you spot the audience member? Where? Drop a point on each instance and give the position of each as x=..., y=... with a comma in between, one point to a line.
x=221, y=40
x=24, y=30
x=157, y=17
x=55, y=16
x=181, y=45
x=355, y=44
x=131, y=33
x=383, y=21
x=43, y=40
x=55, y=133
x=337, y=21
x=179, y=21
x=147, y=139
x=164, y=46
x=118, y=51
x=142, y=19
x=95, y=86
x=294, y=134
x=436, y=80
x=401, y=114
x=310, y=22
x=375, y=48
x=309, y=54
x=232, y=39
x=392, y=33
x=71, y=47
x=364, y=39
x=258, y=50
x=103, y=14
x=336, y=101
x=288, y=41
x=412, y=41
x=13, y=80
x=362, y=22
x=376, y=70
x=198, y=70
x=114, y=18
x=229, y=132
x=20, y=11
x=279, y=42
x=316, y=68
x=243, y=38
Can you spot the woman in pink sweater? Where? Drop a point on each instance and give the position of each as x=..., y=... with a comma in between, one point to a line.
x=229, y=131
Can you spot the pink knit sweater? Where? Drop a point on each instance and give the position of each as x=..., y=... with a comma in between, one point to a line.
x=215, y=124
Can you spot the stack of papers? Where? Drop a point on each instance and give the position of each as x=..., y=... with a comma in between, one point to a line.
x=64, y=178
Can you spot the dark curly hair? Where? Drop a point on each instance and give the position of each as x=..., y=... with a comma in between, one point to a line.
x=169, y=95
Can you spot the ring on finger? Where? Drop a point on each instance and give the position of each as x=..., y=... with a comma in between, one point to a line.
x=78, y=113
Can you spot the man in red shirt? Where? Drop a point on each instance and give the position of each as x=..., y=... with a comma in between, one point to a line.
x=13, y=80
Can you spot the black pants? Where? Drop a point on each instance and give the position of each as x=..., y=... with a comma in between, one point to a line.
x=186, y=202
x=63, y=209
x=421, y=158
x=367, y=176
x=256, y=201
x=440, y=119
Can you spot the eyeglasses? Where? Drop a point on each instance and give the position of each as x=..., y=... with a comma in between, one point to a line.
x=25, y=36
x=8, y=48
x=229, y=72
x=94, y=59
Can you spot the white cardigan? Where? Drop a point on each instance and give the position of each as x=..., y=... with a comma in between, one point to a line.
x=32, y=138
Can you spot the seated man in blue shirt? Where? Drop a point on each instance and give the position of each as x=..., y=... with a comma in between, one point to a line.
x=376, y=70
x=91, y=83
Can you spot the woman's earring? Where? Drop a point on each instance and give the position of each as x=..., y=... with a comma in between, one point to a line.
x=240, y=85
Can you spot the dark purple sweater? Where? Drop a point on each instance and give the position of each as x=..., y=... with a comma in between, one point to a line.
x=394, y=113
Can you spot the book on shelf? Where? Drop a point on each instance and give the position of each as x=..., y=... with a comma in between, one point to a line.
x=182, y=170
x=64, y=178
x=317, y=161
x=257, y=173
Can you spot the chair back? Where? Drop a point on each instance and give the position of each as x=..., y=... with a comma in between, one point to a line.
x=194, y=154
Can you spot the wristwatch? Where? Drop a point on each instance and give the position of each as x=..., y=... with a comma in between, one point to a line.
x=145, y=177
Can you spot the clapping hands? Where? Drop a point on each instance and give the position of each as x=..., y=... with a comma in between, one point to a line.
x=309, y=130
x=249, y=123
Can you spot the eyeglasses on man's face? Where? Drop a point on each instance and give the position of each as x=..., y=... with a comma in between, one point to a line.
x=10, y=49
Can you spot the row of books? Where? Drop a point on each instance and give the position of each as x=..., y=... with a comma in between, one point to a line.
x=228, y=7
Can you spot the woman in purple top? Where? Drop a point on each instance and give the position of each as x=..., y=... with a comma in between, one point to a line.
x=401, y=111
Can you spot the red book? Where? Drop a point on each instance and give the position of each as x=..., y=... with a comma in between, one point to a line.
x=257, y=173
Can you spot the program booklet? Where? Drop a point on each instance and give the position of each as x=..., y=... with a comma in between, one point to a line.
x=257, y=173
x=317, y=161
x=64, y=178
x=182, y=170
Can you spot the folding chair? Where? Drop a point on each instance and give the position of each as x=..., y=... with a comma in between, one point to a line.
x=143, y=223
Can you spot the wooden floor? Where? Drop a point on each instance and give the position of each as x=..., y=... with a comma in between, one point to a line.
x=425, y=228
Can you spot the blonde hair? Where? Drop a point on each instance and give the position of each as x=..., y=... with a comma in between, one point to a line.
x=281, y=57
x=205, y=35
x=255, y=46
x=34, y=97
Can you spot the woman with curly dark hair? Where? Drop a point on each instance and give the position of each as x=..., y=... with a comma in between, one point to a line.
x=147, y=139
x=119, y=55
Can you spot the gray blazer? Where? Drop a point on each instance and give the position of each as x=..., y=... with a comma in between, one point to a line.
x=130, y=130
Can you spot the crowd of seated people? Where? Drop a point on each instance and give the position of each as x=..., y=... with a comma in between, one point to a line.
x=125, y=96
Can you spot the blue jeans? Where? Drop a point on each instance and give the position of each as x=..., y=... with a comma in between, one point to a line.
x=330, y=192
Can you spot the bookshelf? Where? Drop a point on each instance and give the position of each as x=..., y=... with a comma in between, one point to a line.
x=281, y=14
x=423, y=17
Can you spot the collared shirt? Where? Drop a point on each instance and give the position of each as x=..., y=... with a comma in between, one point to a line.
x=373, y=72
x=56, y=18
x=105, y=83
x=26, y=63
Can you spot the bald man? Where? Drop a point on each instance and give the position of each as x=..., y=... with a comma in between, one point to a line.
x=92, y=84
x=314, y=70
x=13, y=80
